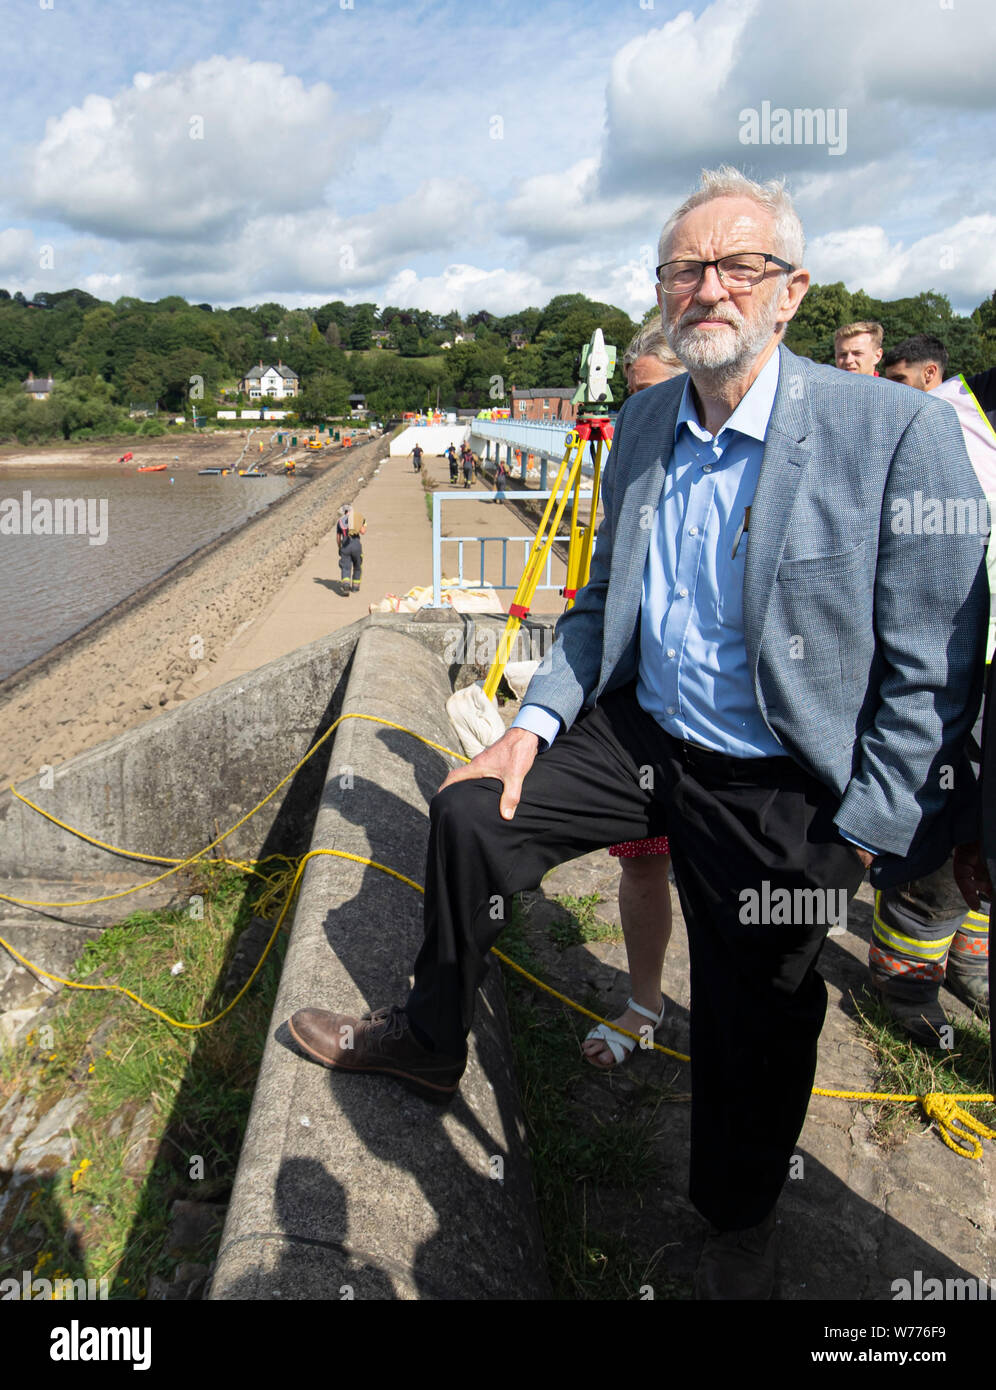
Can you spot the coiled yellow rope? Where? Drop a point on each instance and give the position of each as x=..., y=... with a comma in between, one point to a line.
x=943, y=1109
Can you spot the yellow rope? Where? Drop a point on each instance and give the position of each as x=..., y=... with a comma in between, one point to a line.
x=944, y=1111
x=206, y=1023
x=941, y=1107
x=579, y=1008
x=183, y=863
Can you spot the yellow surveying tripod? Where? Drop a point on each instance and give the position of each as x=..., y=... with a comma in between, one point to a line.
x=593, y=432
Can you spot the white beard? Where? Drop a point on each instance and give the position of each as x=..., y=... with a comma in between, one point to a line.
x=721, y=356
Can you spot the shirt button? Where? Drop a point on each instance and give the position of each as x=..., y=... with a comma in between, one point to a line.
x=693, y=530
x=682, y=593
x=707, y=468
x=671, y=653
x=670, y=709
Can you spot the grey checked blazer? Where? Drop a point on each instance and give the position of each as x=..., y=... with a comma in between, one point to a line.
x=893, y=625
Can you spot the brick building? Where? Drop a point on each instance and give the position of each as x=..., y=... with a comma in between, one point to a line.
x=544, y=403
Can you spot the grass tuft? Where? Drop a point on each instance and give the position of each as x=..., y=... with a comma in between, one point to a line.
x=582, y=923
x=192, y=1089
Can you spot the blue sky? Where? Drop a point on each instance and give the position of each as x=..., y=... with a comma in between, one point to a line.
x=465, y=155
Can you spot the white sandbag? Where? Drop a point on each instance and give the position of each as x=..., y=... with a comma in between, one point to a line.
x=519, y=674
x=475, y=719
x=484, y=600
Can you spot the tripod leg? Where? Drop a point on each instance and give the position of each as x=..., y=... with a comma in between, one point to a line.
x=587, y=544
x=526, y=590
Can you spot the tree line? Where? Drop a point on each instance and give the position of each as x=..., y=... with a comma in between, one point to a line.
x=108, y=358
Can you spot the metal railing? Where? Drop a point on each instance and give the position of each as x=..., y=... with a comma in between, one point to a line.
x=546, y=438
x=509, y=576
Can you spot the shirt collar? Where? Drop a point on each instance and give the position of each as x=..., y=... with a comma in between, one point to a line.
x=751, y=416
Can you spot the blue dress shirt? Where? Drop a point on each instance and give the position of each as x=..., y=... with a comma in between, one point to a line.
x=694, y=677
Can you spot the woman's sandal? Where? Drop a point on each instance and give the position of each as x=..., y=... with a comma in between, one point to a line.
x=618, y=1043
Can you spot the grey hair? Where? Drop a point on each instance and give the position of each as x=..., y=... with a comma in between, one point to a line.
x=728, y=182
x=651, y=341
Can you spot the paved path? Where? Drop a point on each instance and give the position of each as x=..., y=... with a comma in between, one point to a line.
x=397, y=554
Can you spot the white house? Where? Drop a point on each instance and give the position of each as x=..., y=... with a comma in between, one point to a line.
x=275, y=381
x=39, y=388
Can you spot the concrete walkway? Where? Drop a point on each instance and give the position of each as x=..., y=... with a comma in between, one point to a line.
x=397, y=555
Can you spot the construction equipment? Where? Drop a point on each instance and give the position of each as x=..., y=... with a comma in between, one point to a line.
x=592, y=433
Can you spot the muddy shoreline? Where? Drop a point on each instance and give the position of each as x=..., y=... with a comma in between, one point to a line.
x=212, y=449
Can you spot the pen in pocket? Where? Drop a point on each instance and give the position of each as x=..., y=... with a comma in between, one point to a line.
x=744, y=526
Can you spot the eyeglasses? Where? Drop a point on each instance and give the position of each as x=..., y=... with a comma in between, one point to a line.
x=735, y=272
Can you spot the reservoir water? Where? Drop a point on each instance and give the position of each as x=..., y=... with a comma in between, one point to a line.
x=52, y=585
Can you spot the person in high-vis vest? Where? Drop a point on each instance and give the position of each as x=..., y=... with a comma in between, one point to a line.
x=921, y=935
x=351, y=552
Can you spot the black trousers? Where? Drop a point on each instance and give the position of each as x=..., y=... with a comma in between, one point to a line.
x=737, y=828
x=351, y=559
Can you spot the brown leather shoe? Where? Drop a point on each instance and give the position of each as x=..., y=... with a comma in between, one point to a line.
x=381, y=1042
x=738, y=1264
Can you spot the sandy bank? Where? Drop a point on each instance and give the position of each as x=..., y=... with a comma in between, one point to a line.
x=212, y=449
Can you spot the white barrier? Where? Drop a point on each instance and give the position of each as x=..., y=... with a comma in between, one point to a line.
x=434, y=439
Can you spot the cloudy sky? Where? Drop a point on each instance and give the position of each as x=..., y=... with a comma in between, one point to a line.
x=456, y=154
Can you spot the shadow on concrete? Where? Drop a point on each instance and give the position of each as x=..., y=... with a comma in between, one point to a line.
x=336, y=585
x=214, y=1131
x=396, y=1127
x=833, y=1244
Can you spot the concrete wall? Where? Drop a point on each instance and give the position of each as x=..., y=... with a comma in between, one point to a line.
x=349, y=1182
x=434, y=439
x=161, y=788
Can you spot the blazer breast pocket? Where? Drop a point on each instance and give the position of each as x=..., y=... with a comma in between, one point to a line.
x=819, y=568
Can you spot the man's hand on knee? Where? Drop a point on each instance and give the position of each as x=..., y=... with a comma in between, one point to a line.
x=508, y=760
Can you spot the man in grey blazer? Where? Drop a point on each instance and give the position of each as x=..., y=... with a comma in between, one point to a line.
x=767, y=665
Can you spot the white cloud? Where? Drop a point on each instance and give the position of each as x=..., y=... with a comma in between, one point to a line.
x=676, y=94
x=466, y=288
x=18, y=257
x=190, y=153
x=316, y=253
x=667, y=96
x=566, y=207
x=299, y=193
x=957, y=259
x=104, y=286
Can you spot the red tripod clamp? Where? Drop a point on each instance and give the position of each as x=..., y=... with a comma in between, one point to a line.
x=594, y=427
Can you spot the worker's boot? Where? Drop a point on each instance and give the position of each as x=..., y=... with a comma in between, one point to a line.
x=967, y=975
x=919, y=1015
x=913, y=927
